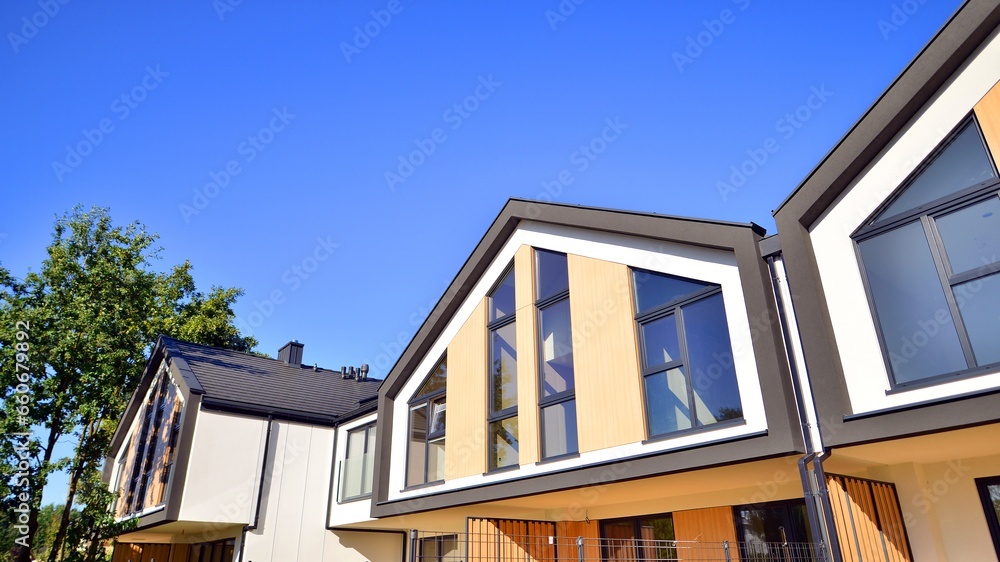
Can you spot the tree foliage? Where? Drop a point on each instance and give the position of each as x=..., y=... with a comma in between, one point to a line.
x=87, y=320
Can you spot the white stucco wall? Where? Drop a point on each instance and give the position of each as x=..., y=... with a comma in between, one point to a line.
x=853, y=325
x=222, y=473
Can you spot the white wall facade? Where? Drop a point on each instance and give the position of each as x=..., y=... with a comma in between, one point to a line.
x=224, y=468
x=853, y=324
x=704, y=264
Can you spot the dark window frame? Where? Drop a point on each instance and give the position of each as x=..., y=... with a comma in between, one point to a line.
x=426, y=400
x=992, y=521
x=369, y=447
x=671, y=308
x=926, y=215
x=438, y=541
x=498, y=416
x=559, y=397
x=636, y=522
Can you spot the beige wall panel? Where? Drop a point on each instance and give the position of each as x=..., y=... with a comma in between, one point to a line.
x=527, y=358
x=608, y=392
x=465, y=444
x=713, y=525
x=988, y=113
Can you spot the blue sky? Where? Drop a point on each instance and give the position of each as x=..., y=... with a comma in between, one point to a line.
x=340, y=160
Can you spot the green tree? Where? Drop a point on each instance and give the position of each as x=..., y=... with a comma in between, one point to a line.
x=88, y=318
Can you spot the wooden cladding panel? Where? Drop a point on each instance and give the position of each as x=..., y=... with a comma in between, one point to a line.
x=988, y=113
x=527, y=357
x=180, y=553
x=493, y=540
x=712, y=524
x=608, y=391
x=590, y=531
x=465, y=443
x=155, y=552
x=868, y=520
x=127, y=552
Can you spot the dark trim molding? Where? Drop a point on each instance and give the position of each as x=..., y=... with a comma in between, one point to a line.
x=881, y=124
x=742, y=240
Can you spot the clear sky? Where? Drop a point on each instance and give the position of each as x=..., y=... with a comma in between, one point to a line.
x=340, y=160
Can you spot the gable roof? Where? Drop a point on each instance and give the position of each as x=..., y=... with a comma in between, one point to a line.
x=231, y=380
x=708, y=233
x=960, y=37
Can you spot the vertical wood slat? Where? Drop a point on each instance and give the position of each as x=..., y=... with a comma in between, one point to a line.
x=862, y=522
x=510, y=540
x=845, y=529
x=180, y=553
x=988, y=113
x=868, y=519
x=887, y=524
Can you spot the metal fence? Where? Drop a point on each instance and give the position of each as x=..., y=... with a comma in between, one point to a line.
x=504, y=547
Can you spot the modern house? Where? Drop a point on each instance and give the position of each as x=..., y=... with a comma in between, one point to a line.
x=892, y=251
x=223, y=455
x=600, y=384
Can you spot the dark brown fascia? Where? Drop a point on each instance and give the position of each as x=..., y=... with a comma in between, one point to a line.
x=908, y=94
x=783, y=435
x=191, y=392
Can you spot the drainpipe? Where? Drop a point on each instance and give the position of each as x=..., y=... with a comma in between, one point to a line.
x=260, y=489
x=808, y=423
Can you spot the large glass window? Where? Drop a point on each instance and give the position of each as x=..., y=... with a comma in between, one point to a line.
x=502, y=376
x=146, y=465
x=359, y=465
x=557, y=388
x=989, y=493
x=774, y=531
x=689, y=376
x=425, y=456
x=931, y=261
x=644, y=538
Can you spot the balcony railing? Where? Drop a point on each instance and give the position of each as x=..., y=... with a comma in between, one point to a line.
x=502, y=547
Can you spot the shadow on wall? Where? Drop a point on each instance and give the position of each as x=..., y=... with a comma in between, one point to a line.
x=372, y=545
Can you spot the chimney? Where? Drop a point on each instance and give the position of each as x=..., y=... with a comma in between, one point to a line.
x=291, y=353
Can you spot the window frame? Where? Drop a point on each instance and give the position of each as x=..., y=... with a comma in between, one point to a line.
x=438, y=541
x=426, y=400
x=559, y=397
x=992, y=521
x=607, y=543
x=493, y=325
x=926, y=215
x=368, y=449
x=664, y=310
